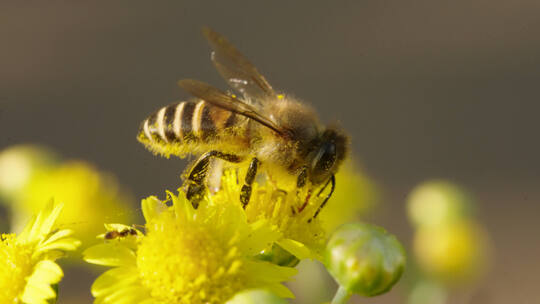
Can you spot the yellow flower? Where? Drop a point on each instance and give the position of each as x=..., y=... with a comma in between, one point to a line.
x=455, y=253
x=300, y=236
x=187, y=256
x=90, y=198
x=27, y=267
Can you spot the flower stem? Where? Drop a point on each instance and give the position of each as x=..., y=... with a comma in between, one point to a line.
x=341, y=296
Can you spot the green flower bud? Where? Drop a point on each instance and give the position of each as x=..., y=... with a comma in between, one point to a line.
x=435, y=203
x=364, y=259
x=256, y=296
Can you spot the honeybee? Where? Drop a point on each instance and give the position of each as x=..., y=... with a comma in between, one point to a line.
x=268, y=128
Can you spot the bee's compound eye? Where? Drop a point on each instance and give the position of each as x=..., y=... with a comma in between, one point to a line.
x=323, y=162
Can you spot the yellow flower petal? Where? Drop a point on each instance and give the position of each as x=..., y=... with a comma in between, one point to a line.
x=112, y=279
x=38, y=286
x=41, y=225
x=261, y=233
x=183, y=209
x=127, y=295
x=65, y=244
x=47, y=271
x=272, y=272
x=151, y=207
x=297, y=249
x=281, y=291
x=109, y=255
x=56, y=236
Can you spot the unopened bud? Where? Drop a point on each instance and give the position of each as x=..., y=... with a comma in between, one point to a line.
x=364, y=259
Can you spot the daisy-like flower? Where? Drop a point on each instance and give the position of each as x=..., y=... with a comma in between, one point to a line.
x=186, y=256
x=27, y=267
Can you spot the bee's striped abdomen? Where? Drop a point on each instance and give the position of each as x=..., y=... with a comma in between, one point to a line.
x=187, y=121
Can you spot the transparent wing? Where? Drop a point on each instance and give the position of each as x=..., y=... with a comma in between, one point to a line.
x=220, y=99
x=239, y=72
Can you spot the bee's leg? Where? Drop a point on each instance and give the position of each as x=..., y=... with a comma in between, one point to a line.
x=333, y=181
x=300, y=183
x=245, y=193
x=195, y=182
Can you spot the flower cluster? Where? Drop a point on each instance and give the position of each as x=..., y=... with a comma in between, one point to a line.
x=219, y=252
x=210, y=254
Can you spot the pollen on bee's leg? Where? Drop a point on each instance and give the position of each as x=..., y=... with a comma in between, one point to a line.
x=245, y=195
x=194, y=193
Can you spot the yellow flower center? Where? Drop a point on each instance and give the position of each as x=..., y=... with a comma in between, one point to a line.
x=186, y=263
x=15, y=265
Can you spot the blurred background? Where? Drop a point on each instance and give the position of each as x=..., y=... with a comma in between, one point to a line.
x=426, y=90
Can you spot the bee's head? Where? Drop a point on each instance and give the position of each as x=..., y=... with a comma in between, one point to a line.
x=329, y=150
